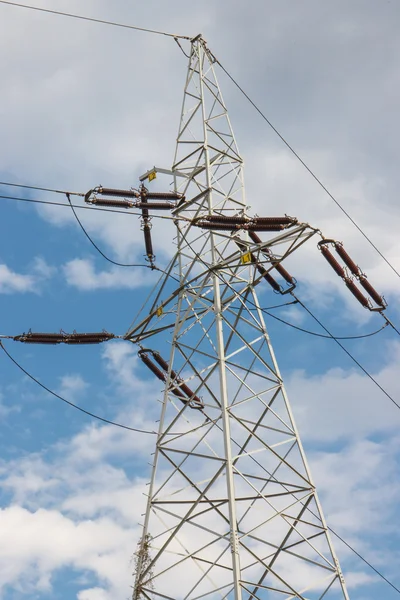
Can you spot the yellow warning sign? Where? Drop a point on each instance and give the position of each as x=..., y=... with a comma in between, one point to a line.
x=246, y=258
x=152, y=175
x=159, y=311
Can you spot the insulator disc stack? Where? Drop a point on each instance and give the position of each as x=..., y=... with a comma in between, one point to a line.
x=356, y=292
x=276, y=220
x=227, y=219
x=65, y=338
x=285, y=274
x=164, y=196
x=348, y=261
x=40, y=338
x=155, y=205
x=119, y=193
x=178, y=387
x=254, y=237
x=148, y=242
x=153, y=368
x=372, y=291
x=88, y=338
x=326, y=253
x=111, y=203
x=356, y=271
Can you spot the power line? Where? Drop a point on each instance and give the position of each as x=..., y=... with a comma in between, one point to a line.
x=364, y=560
x=296, y=300
x=363, y=369
x=107, y=210
x=110, y=260
x=321, y=335
x=313, y=175
x=42, y=189
x=93, y=20
x=86, y=412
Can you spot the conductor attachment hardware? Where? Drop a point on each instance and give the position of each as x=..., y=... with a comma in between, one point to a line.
x=356, y=271
x=163, y=373
x=141, y=195
x=140, y=199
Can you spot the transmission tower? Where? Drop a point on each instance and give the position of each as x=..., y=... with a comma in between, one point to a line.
x=232, y=509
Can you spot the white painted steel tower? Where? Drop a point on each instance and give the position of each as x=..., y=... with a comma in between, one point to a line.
x=232, y=510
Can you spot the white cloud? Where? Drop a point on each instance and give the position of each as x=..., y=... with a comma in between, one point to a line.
x=81, y=273
x=13, y=282
x=72, y=385
x=345, y=403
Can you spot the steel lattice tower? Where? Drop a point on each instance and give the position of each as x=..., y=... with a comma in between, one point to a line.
x=232, y=510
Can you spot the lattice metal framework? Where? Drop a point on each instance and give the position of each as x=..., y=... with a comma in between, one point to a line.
x=232, y=509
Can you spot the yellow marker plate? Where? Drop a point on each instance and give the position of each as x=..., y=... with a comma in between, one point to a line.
x=245, y=258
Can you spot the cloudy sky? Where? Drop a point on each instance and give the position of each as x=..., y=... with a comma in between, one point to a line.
x=84, y=104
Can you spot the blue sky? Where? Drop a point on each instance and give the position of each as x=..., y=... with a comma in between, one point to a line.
x=84, y=104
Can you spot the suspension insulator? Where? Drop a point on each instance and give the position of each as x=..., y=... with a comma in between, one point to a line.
x=255, y=238
x=40, y=338
x=276, y=220
x=176, y=381
x=372, y=291
x=147, y=241
x=272, y=282
x=163, y=363
x=155, y=205
x=164, y=195
x=186, y=389
x=88, y=338
x=332, y=261
x=179, y=394
x=111, y=203
x=348, y=261
x=282, y=271
x=356, y=292
x=227, y=219
x=120, y=193
x=144, y=207
x=153, y=368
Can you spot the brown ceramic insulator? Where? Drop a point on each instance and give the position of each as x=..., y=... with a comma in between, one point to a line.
x=282, y=271
x=153, y=368
x=164, y=196
x=332, y=261
x=253, y=226
x=112, y=203
x=88, y=338
x=120, y=193
x=274, y=284
x=155, y=205
x=40, y=338
x=372, y=291
x=275, y=220
x=226, y=219
x=147, y=241
x=348, y=261
x=356, y=292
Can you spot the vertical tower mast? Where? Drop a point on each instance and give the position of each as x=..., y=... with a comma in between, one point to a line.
x=232, y=510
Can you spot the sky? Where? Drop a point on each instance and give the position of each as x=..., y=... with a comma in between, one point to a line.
x=84, y=104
